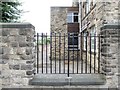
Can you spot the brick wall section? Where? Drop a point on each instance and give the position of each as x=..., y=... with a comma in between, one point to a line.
x=17, y=54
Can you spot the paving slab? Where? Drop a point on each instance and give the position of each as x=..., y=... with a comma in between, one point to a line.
x=63, y=80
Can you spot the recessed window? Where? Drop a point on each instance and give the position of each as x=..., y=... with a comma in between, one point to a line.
x=94, y=2
x=85, y=40
x=72, y=17
x=73, y=40
x=88, y=6
x=93, y=38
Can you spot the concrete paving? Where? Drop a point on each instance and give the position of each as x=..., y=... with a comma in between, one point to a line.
x=63, y=80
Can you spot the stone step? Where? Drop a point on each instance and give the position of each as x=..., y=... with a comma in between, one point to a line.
x=63, y=80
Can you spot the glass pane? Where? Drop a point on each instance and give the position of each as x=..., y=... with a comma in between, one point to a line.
x=73, y=40
x=92, y=47
x=69, y=19
x=75, y=18
x=69, y=14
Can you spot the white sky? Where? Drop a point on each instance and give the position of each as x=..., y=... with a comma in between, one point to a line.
x=39, y=12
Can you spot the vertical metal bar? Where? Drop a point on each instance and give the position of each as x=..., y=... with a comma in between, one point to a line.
x=90, y=52
x=50, y=52
x=86, y=56
x=64, y=52
x=99, y=55
x=46, y=52
x=59, y=52
x=37, y=52
x=68, y=55
x=55, y=52
x=42, y=53
x=94, y=51
x=77, y=52
x=81, y=53
x=73, y=50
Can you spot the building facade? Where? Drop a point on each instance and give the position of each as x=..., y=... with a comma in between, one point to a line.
x=101, y=18
x=96, y=26
x=65, y=20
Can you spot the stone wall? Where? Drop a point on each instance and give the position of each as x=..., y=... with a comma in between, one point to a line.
x=110, y=53
x=58, y=26
x=17, y=56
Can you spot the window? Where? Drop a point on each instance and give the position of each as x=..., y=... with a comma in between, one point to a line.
x=93, y=38
x=88, y=6
x=94, y=2
x=85, y=38
x=72, y=17
x=73, y=40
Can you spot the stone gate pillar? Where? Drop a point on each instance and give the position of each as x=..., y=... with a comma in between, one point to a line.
x=17, y=56
x=110, y=53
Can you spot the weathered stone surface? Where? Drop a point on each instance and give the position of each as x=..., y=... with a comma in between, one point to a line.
x=22, y=32
x=22, y=44
x=31, y=44
x=14, y=32
x=29, y=39
x=25, y=57
x=30, y=62
x=6, y=50
x=14, y=44
x=3, y=61
x=5, y=32
x=13, y=54
x=15, y=67
x=5, y=56
x=5, y=39
x=21, y=51
x=26, y=67
x=29, y=72
x=105, y=69
x=1, y=50
x=106, y=55
x=26, y=31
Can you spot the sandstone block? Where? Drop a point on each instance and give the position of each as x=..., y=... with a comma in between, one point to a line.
x=14, y=32
x=14, y=44
x=29, y=72
x=15, y=67
x=26, y=57
x=21, y=51
x=22, y=44
x=1, y=50
x=27, y=67
x=5, y=32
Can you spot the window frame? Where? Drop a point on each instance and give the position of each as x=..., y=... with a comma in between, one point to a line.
x=84, y=44
x=70, y=36
x=88, y=4
x=93, y=37
x=72, y=15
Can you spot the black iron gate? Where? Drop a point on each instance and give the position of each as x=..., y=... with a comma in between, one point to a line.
x=70, y=53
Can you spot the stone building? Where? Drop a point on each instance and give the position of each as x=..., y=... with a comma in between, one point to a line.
x=101, y=18
x=98, y=22
x=65, y=20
